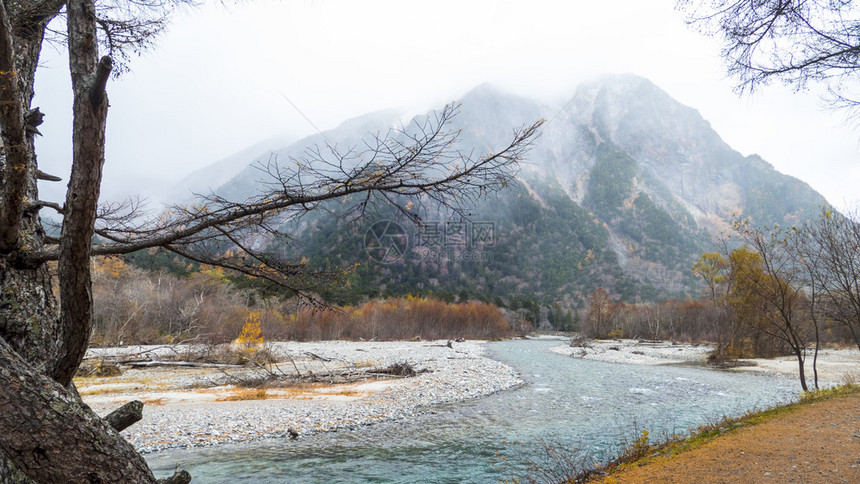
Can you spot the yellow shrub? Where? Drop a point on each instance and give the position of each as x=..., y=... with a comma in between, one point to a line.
x=616, y=334
x=250, y=338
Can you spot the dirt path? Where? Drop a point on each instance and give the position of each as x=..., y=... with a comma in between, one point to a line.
x=816, y=443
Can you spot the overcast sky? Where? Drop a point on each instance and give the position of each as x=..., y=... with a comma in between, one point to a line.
x=220, y=77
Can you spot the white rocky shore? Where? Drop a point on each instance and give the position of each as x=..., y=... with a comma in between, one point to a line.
x=636, y=352
x=184, y=409
x=834, y=365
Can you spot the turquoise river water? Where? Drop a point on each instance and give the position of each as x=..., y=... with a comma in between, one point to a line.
x=567, y=401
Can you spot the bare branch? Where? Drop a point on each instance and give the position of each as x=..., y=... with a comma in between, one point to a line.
x=41, y=175
x=97, y=90
x=796, y=43
x=402, y=166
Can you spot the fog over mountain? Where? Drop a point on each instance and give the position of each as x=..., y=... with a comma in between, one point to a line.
x=620, y=191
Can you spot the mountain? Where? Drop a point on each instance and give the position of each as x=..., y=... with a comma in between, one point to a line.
x=349, y=134
x=215, y=175
x=620, y=191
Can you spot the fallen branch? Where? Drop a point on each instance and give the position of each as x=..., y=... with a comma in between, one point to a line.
x=318, y=357
x=189, y=364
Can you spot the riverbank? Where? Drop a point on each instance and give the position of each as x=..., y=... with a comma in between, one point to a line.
x=812, y=441
x=190, y=407
x=834, y=365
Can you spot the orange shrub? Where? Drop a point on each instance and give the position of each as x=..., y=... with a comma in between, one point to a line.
x=398, y=318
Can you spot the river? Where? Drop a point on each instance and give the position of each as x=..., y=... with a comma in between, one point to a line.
x=565, y=401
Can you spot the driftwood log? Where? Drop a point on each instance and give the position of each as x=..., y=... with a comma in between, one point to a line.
x=125, y=416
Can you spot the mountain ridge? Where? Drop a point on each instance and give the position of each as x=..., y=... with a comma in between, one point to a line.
x=620, y=191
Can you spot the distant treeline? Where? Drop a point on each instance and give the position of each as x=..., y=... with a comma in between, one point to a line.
x=695, y=321
x=137, y=306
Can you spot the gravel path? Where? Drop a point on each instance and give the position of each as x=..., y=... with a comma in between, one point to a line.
x=456, y=374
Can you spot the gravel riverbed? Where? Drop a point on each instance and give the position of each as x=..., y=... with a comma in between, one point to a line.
x=834, y=365
x=185, y=417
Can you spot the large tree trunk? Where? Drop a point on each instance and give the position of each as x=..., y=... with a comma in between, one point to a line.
x=53, y=437
x=29, y=319
x=46, y=432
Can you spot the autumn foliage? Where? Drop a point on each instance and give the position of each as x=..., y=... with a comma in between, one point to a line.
x=688, y=320
x=399, y=318
x=132, y=306
x=250, y=339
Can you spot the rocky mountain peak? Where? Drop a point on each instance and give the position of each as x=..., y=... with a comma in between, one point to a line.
x=620, y=191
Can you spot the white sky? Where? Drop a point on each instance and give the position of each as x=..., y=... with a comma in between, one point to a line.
x=217, y=80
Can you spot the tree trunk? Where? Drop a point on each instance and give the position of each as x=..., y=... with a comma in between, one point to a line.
x=800, y=358
x=53, y=437
x=46, y=432
x=28, y=309
x=29, y=320
x=10, y=474
x=88, y=142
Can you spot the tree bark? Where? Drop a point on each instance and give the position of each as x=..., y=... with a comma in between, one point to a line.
x=28, y=309
x=801, y=371
x=10, y=474
x=29, y=320
x=17, y=154
x=53, y=437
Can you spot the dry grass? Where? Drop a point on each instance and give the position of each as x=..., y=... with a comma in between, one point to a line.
x=133, y=381
x=88, y=392
x=390, y=319
x=293, y=391
x=106, y=389
x=810, y=440
x=249, y=394
x=644, y=452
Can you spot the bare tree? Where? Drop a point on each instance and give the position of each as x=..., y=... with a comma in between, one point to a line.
x=46, y=433
x=713, y=268
x=793, y=42
x=599, y=313
x=828, y=247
